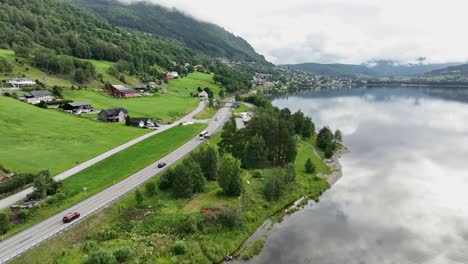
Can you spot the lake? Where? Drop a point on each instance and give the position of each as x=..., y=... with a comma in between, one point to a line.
x=403, y=197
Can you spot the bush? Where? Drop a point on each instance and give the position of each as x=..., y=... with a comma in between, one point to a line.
x=179, y=248
x=309, y=166
x=89, y=246
x=102, y=257
x=231, y=217
x=273, y=188
x=165, y=182
x=123, y=254
x=257, y=174
x=150, y=188
x=187, y=226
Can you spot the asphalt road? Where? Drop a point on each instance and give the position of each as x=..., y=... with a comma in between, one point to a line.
x=14, y=198
x=31, y=237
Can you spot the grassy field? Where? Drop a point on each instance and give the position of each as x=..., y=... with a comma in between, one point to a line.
x=114, y=169
x=190, y=83
x=151, y=231
x=24, y=67
x=35, y=139
x=207, y=113
x=165, y=107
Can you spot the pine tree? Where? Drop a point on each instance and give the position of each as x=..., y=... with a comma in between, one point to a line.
x=138, y=197
x=255, y=154
x=309, y=166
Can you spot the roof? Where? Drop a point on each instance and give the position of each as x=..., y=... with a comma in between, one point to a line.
x=141, y=86
x=115, y=111
x=123, y=89
x=75, y=104
x=40, y=93
x=19, y=80
x=203, y=94
x=138, y=120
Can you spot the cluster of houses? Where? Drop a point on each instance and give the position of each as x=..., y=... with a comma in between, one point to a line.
x=121, y=91
x=35, y=97
x=120, y=114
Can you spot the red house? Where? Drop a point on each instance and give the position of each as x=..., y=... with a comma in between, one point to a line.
x=171, y=75
x=122, y=91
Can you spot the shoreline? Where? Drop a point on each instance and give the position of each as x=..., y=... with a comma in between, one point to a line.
x=264, y=230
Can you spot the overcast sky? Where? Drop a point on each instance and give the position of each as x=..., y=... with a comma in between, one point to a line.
x=345, y=31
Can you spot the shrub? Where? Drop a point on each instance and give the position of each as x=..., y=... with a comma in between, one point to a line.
x=309, y=166
x=273, y=188
x=90, y=246
x=257, y=174
x=179, y=248
x=102, y=257
x=123, y=254
x=150, y=188
x=187, y=226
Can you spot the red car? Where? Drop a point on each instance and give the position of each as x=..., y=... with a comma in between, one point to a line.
x=70, y=217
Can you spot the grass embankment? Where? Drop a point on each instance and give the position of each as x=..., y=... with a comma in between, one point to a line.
x=23, y=67
x=35, y=139
x=114, y=169
x=207, y=113
x=242, y=108
x=190, y=83
x=165, y=107
x=152, y=230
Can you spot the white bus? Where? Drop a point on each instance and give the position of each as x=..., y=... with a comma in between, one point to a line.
x=203, y=134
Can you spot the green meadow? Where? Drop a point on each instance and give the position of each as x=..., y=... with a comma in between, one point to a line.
x=35, y=139
x=189, y=84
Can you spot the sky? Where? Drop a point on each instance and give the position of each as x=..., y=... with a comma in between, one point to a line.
x=341, y=31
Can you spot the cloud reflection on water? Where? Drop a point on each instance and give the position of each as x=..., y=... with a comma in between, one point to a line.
x=403, y=197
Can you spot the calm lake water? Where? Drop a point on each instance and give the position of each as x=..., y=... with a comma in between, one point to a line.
x=404, y=194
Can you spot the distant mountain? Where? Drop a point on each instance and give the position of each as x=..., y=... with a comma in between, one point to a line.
x=162, y=22
x=452, y=71
x=372, y=69
x=338, y=70
x=393, y=68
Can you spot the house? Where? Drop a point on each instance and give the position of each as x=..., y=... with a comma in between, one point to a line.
x=122, y=91
x=20, y=82
x=141, y=88
x=142, y=122
x=113, y=115
x=35, y=97
x=203, y=95
x=77, y=107
x=199, y=67
x=171, y=75
x=152, y=85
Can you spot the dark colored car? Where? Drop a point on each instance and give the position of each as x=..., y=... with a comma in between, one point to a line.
x=70, y=217
x=161, y=165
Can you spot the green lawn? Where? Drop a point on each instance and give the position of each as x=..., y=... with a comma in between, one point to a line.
x=151, y=231
x=35, y=139
x=166, y=107
x=190, y=83
x=114, y=169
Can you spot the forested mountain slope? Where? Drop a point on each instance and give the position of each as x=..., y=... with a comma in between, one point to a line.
x=161, y=22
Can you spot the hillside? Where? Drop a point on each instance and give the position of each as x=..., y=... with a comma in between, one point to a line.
x=452, y=71
x=338, y=70
x=379, y=68
x=161, y=22
x=31, y=27
x=35, y=139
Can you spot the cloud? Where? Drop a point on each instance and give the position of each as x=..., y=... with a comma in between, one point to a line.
x=347, y=31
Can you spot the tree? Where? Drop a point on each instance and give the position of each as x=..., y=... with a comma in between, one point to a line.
x=128, y=120
x=309, y=166
x=138, y=197
x=221, y=93
x=188, y=179
x=228, y=137
x=150, y=188
x=42, y=104
x=255, y=153
x=273, y=188
x=230, y=176
x=326, y=139
x=290, y=175
x=297, y=119
x=57, y=91
x=338, y=135
x=41, y=185
x=308, y=128
x=166, y=180
x=207, y=158
x=4, y=224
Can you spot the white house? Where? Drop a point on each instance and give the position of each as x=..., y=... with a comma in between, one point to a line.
x=203, y=95
x=35, y=97
x=20, y=82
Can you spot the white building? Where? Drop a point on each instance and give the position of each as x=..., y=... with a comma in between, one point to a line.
x=203, y=95
x=35, y=97
x=20, y=82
